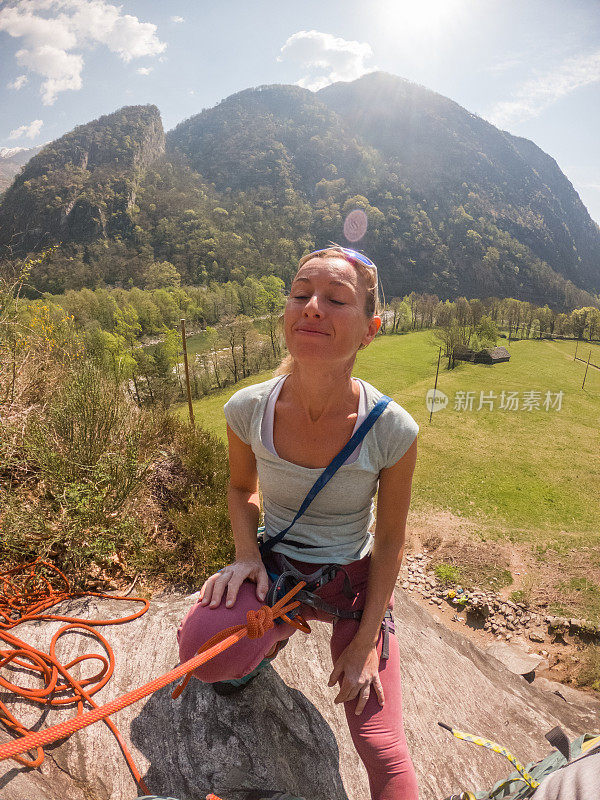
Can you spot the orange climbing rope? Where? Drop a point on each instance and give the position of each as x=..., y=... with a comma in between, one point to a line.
x=26, y=593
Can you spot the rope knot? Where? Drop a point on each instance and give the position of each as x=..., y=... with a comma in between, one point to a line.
x=259, y=622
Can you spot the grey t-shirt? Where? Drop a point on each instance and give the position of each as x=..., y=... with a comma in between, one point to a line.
x=335, y=527
x=579, y=780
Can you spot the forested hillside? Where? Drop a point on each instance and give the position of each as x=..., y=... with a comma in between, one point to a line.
x=455, y=206
x=452, y=157
x=82, y=186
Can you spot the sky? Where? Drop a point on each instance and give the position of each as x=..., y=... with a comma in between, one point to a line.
x=531, y=67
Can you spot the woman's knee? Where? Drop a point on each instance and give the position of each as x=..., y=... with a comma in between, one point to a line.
x=383, y=749
x=201, y=623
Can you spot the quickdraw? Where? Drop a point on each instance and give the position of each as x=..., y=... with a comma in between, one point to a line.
x=497, y=748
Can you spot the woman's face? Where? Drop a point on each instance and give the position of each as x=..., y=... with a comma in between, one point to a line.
x=324, y=317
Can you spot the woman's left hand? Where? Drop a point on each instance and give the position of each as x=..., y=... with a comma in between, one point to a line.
x=360, y=669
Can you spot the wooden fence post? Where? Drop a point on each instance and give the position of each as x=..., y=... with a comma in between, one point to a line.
x=435, y=385
x=187, y=375
x=586, y=368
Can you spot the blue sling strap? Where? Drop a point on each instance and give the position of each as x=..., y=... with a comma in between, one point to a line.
x=331, y=469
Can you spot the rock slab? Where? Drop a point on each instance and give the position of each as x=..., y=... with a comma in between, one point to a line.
x=514, y=658
x=284, y=731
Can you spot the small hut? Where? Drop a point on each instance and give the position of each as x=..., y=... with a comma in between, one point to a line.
x=462, y=353
x=489, y=355
x=493, y=355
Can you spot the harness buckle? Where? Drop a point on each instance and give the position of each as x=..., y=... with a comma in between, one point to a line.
x=289, y=577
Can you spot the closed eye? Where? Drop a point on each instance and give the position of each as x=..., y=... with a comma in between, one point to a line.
x=306, y=297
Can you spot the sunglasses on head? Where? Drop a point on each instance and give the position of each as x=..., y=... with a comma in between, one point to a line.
x=352, y=255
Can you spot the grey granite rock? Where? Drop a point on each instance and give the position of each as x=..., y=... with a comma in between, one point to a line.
x=284, y=731
x=514, y=658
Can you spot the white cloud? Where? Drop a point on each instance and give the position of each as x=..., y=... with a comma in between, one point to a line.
x=144, y=70
x=539, y=93
x=18, y=83
x=50, y=29
x=29, y=131
x=61, y=70
x=177, y=19
x=326, y=58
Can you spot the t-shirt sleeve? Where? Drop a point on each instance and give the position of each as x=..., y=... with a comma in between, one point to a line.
x=401, y=433
x=238, y=413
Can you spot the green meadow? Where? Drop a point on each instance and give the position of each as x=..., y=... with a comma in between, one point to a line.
x=527, y=474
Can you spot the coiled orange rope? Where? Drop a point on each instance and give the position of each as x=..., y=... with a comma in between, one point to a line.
x=28, y=591
x=26, y=594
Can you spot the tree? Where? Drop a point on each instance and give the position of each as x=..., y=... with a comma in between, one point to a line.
x=579, y=321
x=162, y=275
x=275, y=301
x=487, y=332
x=448, y=332
x=241, y=337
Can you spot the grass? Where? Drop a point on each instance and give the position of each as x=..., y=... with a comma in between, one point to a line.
x=589, y=674
x=447, y=573
x=472, y=572
x=529, y=475
x=582, y=596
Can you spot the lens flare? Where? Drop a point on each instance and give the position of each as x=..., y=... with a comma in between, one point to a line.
x=355, y=225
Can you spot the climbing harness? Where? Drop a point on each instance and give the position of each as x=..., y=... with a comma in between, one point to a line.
x=286, y=576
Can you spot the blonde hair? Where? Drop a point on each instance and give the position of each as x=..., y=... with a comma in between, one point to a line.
x=369, y=278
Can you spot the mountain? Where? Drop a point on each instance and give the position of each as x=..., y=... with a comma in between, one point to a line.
x=280, y=137
x=84, y=184
x=455, y=206
x=11, y=161
x=466, y=207
x=448, y=154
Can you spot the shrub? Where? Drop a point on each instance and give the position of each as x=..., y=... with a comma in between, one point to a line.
x=89, y=443
x=191, y=487
x=77, y=461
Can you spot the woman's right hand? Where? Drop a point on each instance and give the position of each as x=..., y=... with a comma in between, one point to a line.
x=230, y=578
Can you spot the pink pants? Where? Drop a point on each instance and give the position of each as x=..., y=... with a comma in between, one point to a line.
x=377, y=733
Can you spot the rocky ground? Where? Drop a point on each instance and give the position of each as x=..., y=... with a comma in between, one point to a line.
x=487, y=617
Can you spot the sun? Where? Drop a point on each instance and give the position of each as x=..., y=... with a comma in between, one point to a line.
x=418, y=16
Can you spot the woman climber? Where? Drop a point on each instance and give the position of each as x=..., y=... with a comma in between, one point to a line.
x=282, y=434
